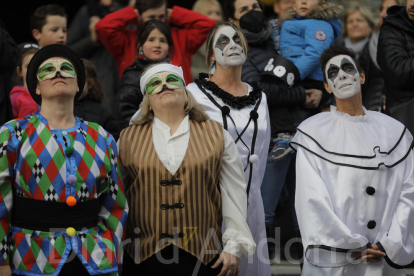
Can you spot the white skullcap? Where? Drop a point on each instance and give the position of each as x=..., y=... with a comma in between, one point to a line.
x=160, y=68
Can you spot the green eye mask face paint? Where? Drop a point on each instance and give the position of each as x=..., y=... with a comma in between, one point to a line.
x=156, y=83
x=48, y=69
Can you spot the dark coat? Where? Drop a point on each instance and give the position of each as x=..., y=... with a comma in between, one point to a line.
x=278, y=99
x=92, y=111
x=396, y=55
x=373, y=88
x=258, y=58
x=129, y=96
x=9, y=53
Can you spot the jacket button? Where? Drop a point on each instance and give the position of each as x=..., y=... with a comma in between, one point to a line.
x=69, y=151
x=253, y=158
x=71, y=201
x=164, y=183
x=71, y=179
x=370, y=190
x=71, y=231
x=371, y=224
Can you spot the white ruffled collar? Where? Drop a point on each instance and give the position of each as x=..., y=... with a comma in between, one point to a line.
x=347, y=117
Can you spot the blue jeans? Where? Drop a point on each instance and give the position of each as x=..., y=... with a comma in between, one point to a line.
x=278, y=175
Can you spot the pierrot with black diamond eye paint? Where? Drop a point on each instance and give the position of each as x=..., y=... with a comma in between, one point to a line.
x=228, y=48
x=343, y=78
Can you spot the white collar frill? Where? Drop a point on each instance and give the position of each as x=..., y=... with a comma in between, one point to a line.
x=369, y=142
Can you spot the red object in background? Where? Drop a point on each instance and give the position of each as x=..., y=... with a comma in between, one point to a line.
x=189, y=30
x=22, y=103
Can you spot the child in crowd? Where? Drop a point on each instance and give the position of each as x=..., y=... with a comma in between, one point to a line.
x=49, y=25
x=22, y=103
x=153, y=45
x=88, y=106
x=303, y=38
x=189, y=30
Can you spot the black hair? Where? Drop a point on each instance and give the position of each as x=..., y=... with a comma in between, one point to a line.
x=19, y=80
x=38, y=18
x=144, y=5
x=229, y=10
x=148, y=27
x=334, y=51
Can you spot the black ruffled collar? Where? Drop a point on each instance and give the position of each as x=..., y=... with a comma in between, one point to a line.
x=227, y=98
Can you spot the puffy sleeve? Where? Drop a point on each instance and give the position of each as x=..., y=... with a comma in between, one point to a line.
x=7, y=161
x=318, y=37
x=398, y=242
x=193, y=28
x=327, y=240
x=237, y=238
x=114, y=207
x=112, y=32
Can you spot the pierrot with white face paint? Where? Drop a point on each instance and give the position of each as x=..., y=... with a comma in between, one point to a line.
x=228, y=48
x=343, y=77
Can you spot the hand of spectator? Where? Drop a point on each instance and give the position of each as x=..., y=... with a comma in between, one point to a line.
x=370, y=255
x=231, y=264
x=92, y=23
x=131, y=3
x=5, y=270
x=313, y=98
x=105, y=3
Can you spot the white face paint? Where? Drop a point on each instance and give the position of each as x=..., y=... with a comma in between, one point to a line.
x=343, y=76
x=228, y=48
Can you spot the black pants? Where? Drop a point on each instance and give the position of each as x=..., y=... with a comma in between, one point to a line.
x=72, y=268
x=153, y=267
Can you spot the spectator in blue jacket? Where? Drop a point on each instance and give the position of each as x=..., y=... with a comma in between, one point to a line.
x=304, y=38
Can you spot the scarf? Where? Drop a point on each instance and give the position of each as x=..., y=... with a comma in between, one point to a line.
x=357, y=47
x=373, y=48
x=257, y=38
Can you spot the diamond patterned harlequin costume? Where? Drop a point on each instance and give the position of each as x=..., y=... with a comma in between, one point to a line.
x=36, y=162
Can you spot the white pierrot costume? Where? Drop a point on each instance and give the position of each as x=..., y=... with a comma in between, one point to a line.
x=250, y=129
x=354, y=189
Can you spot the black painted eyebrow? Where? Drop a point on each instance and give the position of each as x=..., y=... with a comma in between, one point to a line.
x=333, y=67
x=221, y=37
x=220, y=46
x=346, y=61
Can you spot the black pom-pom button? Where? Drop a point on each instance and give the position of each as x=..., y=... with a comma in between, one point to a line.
x=225, y=110
x=371, y=224
x=254, y=115
x=370, y=190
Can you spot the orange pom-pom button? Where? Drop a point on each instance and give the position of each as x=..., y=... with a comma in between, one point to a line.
x=71, y=201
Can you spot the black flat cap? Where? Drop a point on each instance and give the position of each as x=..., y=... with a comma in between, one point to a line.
x=54, y=50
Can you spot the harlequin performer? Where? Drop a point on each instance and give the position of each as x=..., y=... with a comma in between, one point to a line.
x=184, y=177
x=355, y=182
x=243, y=113
x=63, y=208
